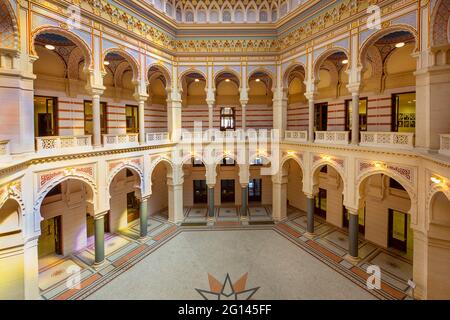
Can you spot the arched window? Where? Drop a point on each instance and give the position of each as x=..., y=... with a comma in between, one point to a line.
x=274, y=15
x=178, y=15
x=226, y=16
x=239, y=16
x=251, y=16
x=214, y=16
x=201, y=16
x=227, y=119
x=189, y=16
x=263, y=16
x=168, y=8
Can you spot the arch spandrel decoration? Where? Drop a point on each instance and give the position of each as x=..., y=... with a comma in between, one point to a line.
x=9, y=37
x=12, y=190
x=336, y=163
x=296, y=156
x=432, y=190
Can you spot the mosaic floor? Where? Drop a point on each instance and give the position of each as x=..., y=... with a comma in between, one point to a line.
x=231, y=258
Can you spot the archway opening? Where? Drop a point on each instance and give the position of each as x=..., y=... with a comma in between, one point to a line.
x=125, y=197
x=158, y=85
x=227, y=110
x=195, y=108
x=158, y=203
x=195, y=188
x=259, y=112
x=296, y=199
x=297, y=112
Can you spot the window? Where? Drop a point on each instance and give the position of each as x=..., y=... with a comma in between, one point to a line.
x=226, y=16
x=362, y=114
x=320, y=203
x=132, y=119
x=200, y=191
x=404, y=112
x=255, y=190
x=196, y=162
x=263, y=16
x=189, y=16
x=88, y=118
x=45, y=116
x=395, y=184
x=321, y=116
x=227, y=119
x=228, y=162
x=256, y=162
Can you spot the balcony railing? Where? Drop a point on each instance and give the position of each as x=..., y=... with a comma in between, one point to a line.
x=155, y=138
x=121, y=140
x=4, y=148
x=59, y=143
x=445, y=145
x=404, y=140
x=236, y=135
x=332, y=137
x=297, y=136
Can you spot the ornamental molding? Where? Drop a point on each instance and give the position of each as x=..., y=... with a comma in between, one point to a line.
x=328, y=19
x=406, y=173
x=47, y=178
x=136, y=164
x=12, y=190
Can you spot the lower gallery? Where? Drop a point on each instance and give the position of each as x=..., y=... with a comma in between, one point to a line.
x=212, y=150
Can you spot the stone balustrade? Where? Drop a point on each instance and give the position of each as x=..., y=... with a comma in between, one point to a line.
x=445, y=145
x=332, y=137
x=155, y=138
x=296, y=136
x=63, y=143
x=121, y=140
x=404, y=140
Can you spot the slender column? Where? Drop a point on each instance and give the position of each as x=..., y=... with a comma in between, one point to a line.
x=143, y=216
x=244, y=116
x=353, y=232
x=141, y=114
x=211, y=201
x=310, y=214
x=355, y=118
x=99, y=224
x=210, y=116
x=279, y=198
x=244, y=206
x=175, y=199
x=311, y=119
x=96, y=124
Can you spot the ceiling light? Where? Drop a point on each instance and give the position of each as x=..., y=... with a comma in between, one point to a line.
x=197, y=80
x=50, y=47
x=400, y=44
x=106, y=63
x=435, y=180
x=344, y=61
x=227, y=80
x=258, y=80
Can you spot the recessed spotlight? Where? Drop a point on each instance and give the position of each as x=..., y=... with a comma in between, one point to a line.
x=400, y=44
x=344, y=61
x=106, y=63
x=50, y=47
x=197, y=80
x=227, y=80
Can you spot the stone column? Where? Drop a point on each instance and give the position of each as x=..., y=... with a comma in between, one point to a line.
x=175, y=199
x=310, y=214
x=244, y=205
x=96, y=124
x=99, y=224
x=244, y=115
x=211, y=202
x=141, y=114
x=279, y=200
x=355, y=118
x=310, y=96
x=353, y=232
x=143, y=216
x=280, y=111
x=210, y=116
x=31, y=270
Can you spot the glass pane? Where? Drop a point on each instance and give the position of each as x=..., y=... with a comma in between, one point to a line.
x=406, y=112
x=398, y=230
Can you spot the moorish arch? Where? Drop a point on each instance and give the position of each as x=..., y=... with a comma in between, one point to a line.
x=118, y=63
x=295, y=69
x=338, y=52
x=318, y=165
x=440, y=24
x=130, y=166
x=9, y=32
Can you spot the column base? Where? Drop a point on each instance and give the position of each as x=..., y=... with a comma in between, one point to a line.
x=309, y=235
x=353, y=260
x=143, y=239
x=98, y=265
x=244, y=218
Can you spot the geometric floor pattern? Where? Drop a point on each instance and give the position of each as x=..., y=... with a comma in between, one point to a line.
x=278, y=259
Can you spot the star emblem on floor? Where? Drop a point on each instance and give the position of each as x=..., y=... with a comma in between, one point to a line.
x=227, y=290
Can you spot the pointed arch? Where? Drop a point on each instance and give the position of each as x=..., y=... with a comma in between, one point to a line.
x=439, y=24
x=287, y=73
x=9, y=31
x=160, y=69
x=129, y=58
x=318, y=62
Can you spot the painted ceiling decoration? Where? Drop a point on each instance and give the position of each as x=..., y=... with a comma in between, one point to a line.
x=216, y=11
x=325, y=17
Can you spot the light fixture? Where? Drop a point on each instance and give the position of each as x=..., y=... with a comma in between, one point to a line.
x=197, y=80
x=291, y=153
x=377, y=165
x=227, y=80
x=106, y=63
x=326, y=158
x=400, y=45
x=435, y=180
x=344, y=61
x=258, y=80
x=50, y=47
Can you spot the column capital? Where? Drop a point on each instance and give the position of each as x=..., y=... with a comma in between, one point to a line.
x=100, y=215
x=95, y=91
x=311, y=95
x=244, y=184
x=145, y=197
x=141, y=97
x=309, y=195
x=354, y=88
x=352, y=210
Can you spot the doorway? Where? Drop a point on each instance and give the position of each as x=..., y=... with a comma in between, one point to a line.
x=227, y=193
x=45, y=115
x=321, y=116
x=50, y=238
x=404, y=112
x=132, y=207
x=200, y=192
x=400, y=234
x=320, y=203
x=132, y=119
x=255, y=190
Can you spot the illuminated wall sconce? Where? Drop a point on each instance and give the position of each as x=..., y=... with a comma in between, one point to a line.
x=378, y=165
x=291, y=153
x=326, y=158
x=435, y=180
